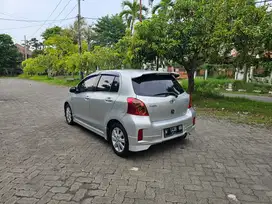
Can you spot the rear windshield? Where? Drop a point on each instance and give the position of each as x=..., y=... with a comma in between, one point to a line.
x=156, y=85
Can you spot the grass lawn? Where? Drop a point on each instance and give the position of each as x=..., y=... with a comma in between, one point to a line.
x=234, y=109
x=63, y=81
x=219, y=85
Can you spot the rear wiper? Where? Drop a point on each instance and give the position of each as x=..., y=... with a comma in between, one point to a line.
x=167, y=94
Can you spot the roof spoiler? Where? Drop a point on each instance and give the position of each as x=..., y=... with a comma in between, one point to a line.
x=174, y=74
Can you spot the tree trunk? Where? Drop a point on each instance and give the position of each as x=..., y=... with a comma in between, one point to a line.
x=206, y=74
x=157, y=63
x=191, y=81
x=270, y=78
x=245, y=73
x=132, y=26
x=191, y=68
x=89, y=46
x=236, y=73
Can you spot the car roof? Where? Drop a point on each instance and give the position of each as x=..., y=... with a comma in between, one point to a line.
x=132, y=73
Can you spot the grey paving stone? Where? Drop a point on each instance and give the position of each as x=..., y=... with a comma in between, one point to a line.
x=59, y=190
x=43, y=160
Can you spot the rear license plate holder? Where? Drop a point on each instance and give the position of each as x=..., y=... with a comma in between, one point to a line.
x=171, y=131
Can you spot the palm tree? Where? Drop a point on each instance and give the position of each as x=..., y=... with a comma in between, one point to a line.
x=131, y=12
x=164, y=5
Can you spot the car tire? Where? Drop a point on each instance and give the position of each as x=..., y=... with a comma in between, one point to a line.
x=69, y=114
x=119, y=140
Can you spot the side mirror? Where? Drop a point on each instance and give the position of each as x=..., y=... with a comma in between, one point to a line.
x=73, y=90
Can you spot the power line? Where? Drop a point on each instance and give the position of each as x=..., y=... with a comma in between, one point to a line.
x=20, y=27
x=31, y=21
x=70, y=12
x=48, y=17
x=32, y=26
x=65, y=19
x=6, y=14
x=63, y=9
x=91, y=18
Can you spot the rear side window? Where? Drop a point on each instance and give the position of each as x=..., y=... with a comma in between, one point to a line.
x=156, y=85
x=115, y=85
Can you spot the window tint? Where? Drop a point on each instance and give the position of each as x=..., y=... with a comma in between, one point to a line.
x=89, y=84
x=156, y=85
x=105, y=83
x=115, y=85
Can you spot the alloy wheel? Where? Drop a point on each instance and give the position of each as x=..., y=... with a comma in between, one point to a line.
x=118, y=139
x=68, y=114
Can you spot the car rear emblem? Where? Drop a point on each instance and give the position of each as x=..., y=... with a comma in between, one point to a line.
x=172, y=111
x=172, y=101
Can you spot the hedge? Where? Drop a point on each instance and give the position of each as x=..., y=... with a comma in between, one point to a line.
x=217, y=85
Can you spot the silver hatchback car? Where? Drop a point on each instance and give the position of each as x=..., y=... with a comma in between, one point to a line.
x=133, y=109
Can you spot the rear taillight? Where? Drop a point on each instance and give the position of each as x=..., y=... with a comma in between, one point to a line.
x=140, y=135
x=194, y=120
x=190, y=105
x=136, y=107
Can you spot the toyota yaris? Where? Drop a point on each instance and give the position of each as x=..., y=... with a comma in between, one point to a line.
x=132, y=109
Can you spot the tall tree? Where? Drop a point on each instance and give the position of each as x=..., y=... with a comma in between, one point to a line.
x=72, y=31
x=49, y=32
x=248, y=28
x=109, y=30
x=35, y=44
x=9, y=55
x=189, y=33
x=164, y=5
x=131, y=12
x=151, y=37
x=58, y=48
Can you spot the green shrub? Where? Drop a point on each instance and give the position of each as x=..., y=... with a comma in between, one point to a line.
x=222, y=77
x=213, y=85
x=249, y=87
x=208, y=86
x=264, y=88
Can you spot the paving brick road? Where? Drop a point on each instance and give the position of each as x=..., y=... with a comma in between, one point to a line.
x=43, y=160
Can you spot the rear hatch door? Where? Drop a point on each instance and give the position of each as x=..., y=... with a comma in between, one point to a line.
x=162, y=94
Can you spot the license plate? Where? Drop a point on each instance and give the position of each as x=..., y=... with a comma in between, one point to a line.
x=168, y=132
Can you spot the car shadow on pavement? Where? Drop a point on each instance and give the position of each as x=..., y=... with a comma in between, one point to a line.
x=91, y=134
x=170, y=146
x=174, y=145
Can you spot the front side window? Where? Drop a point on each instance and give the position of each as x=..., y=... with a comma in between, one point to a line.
x=156, y=85
x=88, y=84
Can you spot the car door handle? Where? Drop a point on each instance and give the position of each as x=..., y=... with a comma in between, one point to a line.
x=87, y=98
x=108, y=100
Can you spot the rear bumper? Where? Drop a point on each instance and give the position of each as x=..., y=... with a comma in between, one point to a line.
x=153, y=132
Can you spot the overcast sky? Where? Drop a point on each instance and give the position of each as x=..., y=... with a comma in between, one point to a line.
x=41, y=9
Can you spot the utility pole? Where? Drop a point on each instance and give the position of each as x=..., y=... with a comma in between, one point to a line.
x=141, y=7
x=79, y=38
x=25, y=48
